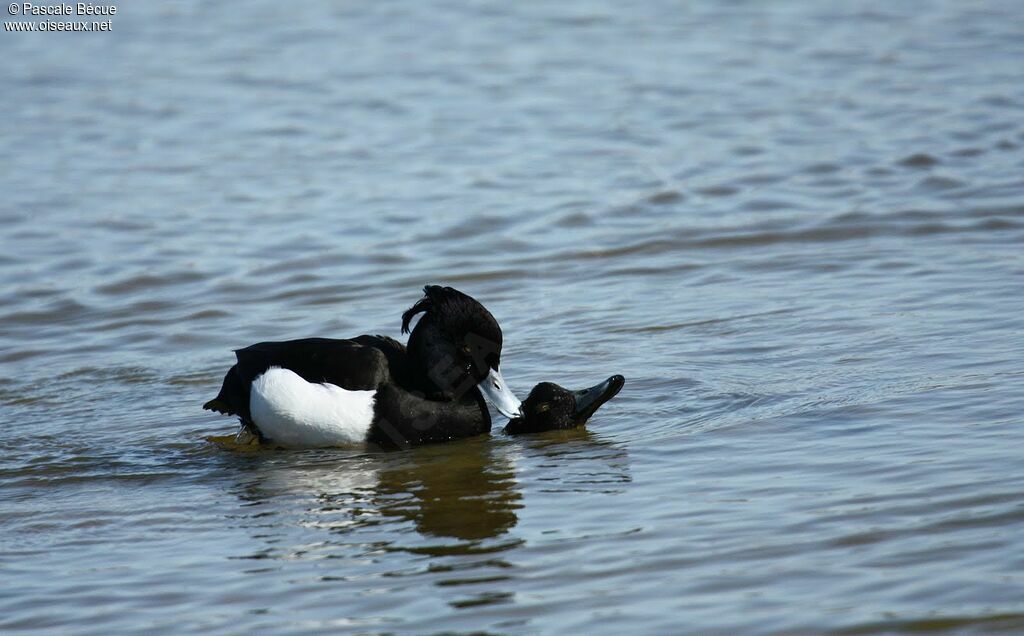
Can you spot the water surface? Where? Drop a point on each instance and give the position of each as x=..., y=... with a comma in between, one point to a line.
x=796, y=229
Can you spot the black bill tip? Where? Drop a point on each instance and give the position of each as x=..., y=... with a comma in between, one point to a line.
x=589, y=400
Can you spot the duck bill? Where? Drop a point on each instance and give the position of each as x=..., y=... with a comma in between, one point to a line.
x=589, y=400
x=498, y=394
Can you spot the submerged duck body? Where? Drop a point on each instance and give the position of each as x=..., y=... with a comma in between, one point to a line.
x=550, y=407
x=372, y=389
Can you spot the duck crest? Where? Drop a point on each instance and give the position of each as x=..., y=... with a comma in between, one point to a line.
x=437, y=298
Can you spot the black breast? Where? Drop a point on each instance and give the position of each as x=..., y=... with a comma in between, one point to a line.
x=402, y=419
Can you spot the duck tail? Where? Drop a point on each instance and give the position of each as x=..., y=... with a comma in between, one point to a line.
x=232, y=393
x=218, y=405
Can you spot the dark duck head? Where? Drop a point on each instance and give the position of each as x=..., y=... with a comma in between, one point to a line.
x=457, y=344
x=550, y=407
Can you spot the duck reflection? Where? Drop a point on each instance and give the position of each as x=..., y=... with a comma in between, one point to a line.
x=463, y=491
x=461, y=498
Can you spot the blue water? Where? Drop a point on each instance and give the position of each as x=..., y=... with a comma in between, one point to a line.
x=795, y=227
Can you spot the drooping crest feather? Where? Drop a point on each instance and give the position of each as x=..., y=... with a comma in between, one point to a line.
x=422, y=305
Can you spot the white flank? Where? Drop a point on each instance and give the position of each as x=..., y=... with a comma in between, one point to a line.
x=292, y=412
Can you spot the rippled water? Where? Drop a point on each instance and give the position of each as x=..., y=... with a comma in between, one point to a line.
x=795, y=228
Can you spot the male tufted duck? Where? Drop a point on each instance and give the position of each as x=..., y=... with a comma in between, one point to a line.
x=372, y=389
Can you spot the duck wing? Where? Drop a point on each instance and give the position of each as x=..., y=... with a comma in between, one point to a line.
x=344, y=363
x=402, y=371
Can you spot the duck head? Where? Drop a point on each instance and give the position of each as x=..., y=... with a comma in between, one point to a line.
x=550, y=407
x=457, y=344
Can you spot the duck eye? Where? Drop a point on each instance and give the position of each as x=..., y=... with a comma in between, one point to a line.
x=543, y=407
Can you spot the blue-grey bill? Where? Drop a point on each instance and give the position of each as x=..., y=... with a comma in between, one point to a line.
x=498, y=394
